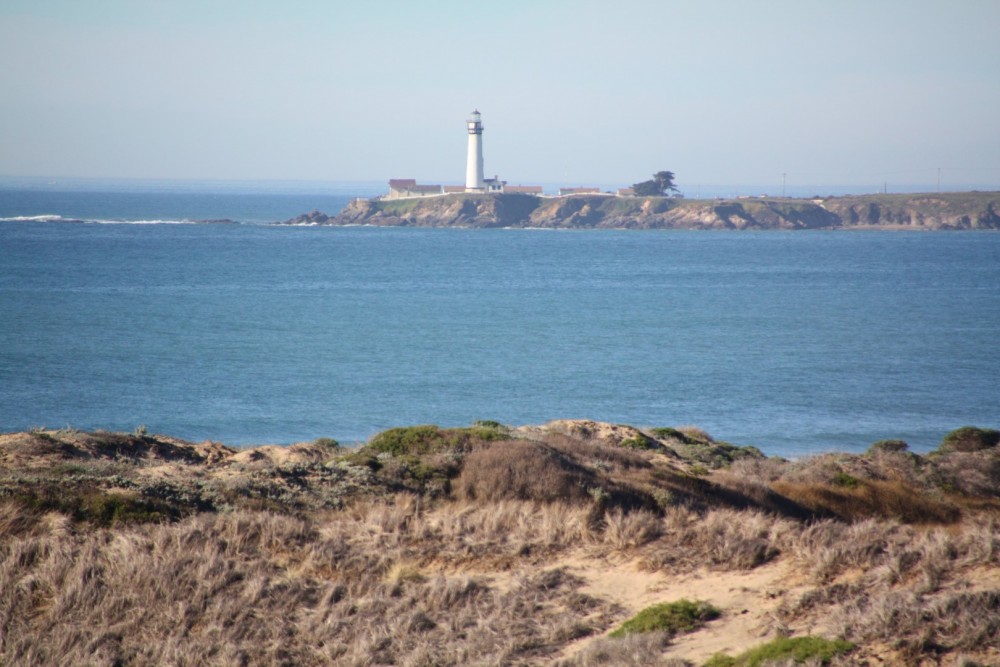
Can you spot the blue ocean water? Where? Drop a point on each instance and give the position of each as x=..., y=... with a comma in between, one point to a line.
x=796, y=342
x=164, y=206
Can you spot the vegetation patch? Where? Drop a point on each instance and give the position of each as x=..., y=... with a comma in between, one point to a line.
x=639, y=442
x=430, y=439
x=668, y=433
x=888, y=446
x=521, y=470
x=867, y=499
x=970, y=439
x=398, y=207
x=98, y=507
x=798, y=649
x=328, y=443
x=671, y=617
x=696, y=446
x=845, y=480
x=363, y=555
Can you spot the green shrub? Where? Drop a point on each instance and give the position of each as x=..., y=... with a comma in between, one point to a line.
x=97, y=507
x=638, y=442
x=969, y=439
x=408, y=440
x=111, y=509
x=799, y=649
x=888, y=446
x=846, y=481
x=672, y=617
x=430, y=439
x=485, y=431
x=328, y=443
x=721, y=660
x=361, y=458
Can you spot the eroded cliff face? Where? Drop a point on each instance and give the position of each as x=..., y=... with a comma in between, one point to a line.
x=447, y=211
x=944, y=211
x=973, y=210
x=659, y=213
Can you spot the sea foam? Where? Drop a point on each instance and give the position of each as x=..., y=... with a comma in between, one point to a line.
x=33, y=218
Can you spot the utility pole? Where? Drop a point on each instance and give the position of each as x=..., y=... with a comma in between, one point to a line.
x=939, y=179
x=783, y=184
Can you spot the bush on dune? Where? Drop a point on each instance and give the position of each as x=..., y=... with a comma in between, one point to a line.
x=429, y=439
x=969, y=439
x=521, y=470
x=671, y=617
x=797, y=650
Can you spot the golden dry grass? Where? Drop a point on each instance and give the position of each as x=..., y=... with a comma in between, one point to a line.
x=481, y=555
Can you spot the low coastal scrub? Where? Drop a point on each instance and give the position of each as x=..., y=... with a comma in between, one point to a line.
x=970, y=439
x=419, y=440
x=784, y=650
x=523, y=470
x=492, y=545
x=670, y=617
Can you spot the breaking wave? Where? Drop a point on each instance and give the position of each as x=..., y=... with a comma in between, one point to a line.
x=33, y=218
x=59, y=218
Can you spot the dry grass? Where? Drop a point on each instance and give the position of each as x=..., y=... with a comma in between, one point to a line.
x=863, y=499
x=455, y=547
x=916, y=625
x=923, y=591
x=720, y=539
x=259, y=588
x=637, y=650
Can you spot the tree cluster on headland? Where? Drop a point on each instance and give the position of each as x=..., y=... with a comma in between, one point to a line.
x=571, y=543
x=660, y=185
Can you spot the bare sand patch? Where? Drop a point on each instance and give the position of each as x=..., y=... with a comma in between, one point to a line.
x=748, y=601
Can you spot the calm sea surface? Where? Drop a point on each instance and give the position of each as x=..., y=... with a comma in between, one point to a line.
x=795, y=342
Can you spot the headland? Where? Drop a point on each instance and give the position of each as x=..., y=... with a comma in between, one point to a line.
x=930, y=211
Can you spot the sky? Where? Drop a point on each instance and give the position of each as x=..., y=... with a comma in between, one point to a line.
x=575, y=92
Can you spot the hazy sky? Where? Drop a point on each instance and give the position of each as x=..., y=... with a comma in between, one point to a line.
x=577, y=92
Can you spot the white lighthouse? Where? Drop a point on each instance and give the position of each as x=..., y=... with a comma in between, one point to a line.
x=474, y=166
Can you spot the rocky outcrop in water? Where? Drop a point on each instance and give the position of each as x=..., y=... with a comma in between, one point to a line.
x=313, y=217
x=968, y=210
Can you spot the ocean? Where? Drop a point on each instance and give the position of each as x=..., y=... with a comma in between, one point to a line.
x=796, y=342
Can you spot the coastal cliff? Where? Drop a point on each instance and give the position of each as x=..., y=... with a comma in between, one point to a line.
x=967, y=210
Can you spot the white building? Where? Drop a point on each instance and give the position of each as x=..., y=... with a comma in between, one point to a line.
x=407, y=188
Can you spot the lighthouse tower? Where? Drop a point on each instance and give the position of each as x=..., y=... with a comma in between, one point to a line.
x=474, y=166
